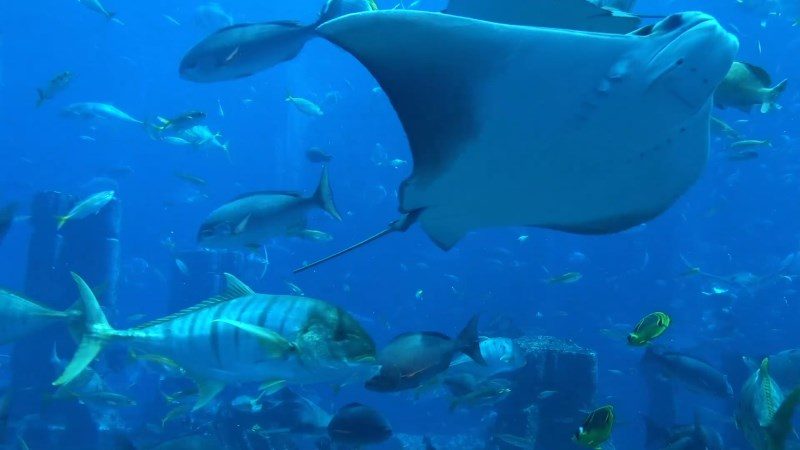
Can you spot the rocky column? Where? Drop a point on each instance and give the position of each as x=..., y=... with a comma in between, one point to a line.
x=565, y=369
x=89, y=247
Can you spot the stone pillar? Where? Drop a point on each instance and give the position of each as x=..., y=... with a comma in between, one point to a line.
x=89, y=247
x=552, y=365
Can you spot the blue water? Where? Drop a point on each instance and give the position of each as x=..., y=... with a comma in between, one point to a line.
x=740, y=217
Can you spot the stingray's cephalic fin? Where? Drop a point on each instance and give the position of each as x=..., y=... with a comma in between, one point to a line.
x=581, y=15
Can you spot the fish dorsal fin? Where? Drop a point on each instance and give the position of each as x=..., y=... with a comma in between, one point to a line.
x=267, y=192
x=767, y=392
x=763, y=370
x=434, y=334
x=761, y=74
x=282, y=23
x=234, y=288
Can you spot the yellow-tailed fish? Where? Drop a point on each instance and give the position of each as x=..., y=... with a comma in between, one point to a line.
x=566, y=278
x=596, y=429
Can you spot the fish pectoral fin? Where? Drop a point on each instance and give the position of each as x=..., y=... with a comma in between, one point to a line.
x=270, y=387
x=207, y=390
x=276, y=345
x=241, y=226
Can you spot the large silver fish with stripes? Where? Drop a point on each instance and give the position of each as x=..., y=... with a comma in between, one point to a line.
x=240, y=336
x=21, y=317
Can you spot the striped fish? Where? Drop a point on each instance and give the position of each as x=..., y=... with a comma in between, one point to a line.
x=21, y=317
x=240, y=336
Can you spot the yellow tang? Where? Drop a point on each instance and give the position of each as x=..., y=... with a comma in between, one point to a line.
x=596, y=429
x=650, y=327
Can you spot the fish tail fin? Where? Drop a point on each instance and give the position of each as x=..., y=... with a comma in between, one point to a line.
x=772, y=97
x=454, y=404
x=324, y=195
x=153, y=131
x=61, y=221
x=227, y=151
x=96, y=333
x=42, y=97
x=469, y=343
x=656, y=435
x=781, y=425
x=75, y=314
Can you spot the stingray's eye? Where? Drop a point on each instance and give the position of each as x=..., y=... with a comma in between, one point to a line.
x=671, y=23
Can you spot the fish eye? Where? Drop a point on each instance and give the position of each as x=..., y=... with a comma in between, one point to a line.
x=221, y=228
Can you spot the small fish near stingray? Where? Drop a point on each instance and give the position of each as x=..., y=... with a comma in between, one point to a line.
x=620, y=123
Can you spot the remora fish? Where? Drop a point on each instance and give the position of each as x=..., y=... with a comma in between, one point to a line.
x=7, y=215
x=201, y=136
x=695, y=373
x=22, y=317
x=179, y=123
x=95, y=110
x=684, y=437
x=359, y=425
x=56, y=85
x=253, y=218
x=763, y=414
x=87, y=207
x=239, y=336
x=485, y=394
x=500, y=354
x=242, y=50
x=97, y=7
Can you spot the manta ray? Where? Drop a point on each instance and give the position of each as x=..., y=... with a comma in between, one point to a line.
x=580, y=132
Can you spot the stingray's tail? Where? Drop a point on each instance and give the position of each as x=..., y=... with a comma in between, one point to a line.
x=772, y=97
x=401, y=224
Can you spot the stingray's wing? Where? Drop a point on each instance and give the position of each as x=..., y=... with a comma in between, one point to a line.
x=569, y=14
x=438, y=70
x=513, y=126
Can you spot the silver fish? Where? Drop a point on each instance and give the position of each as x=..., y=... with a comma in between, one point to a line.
x=240, y=336
x=253, y=218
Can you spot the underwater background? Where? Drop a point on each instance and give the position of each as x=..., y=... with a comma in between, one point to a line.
x=742, y=217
